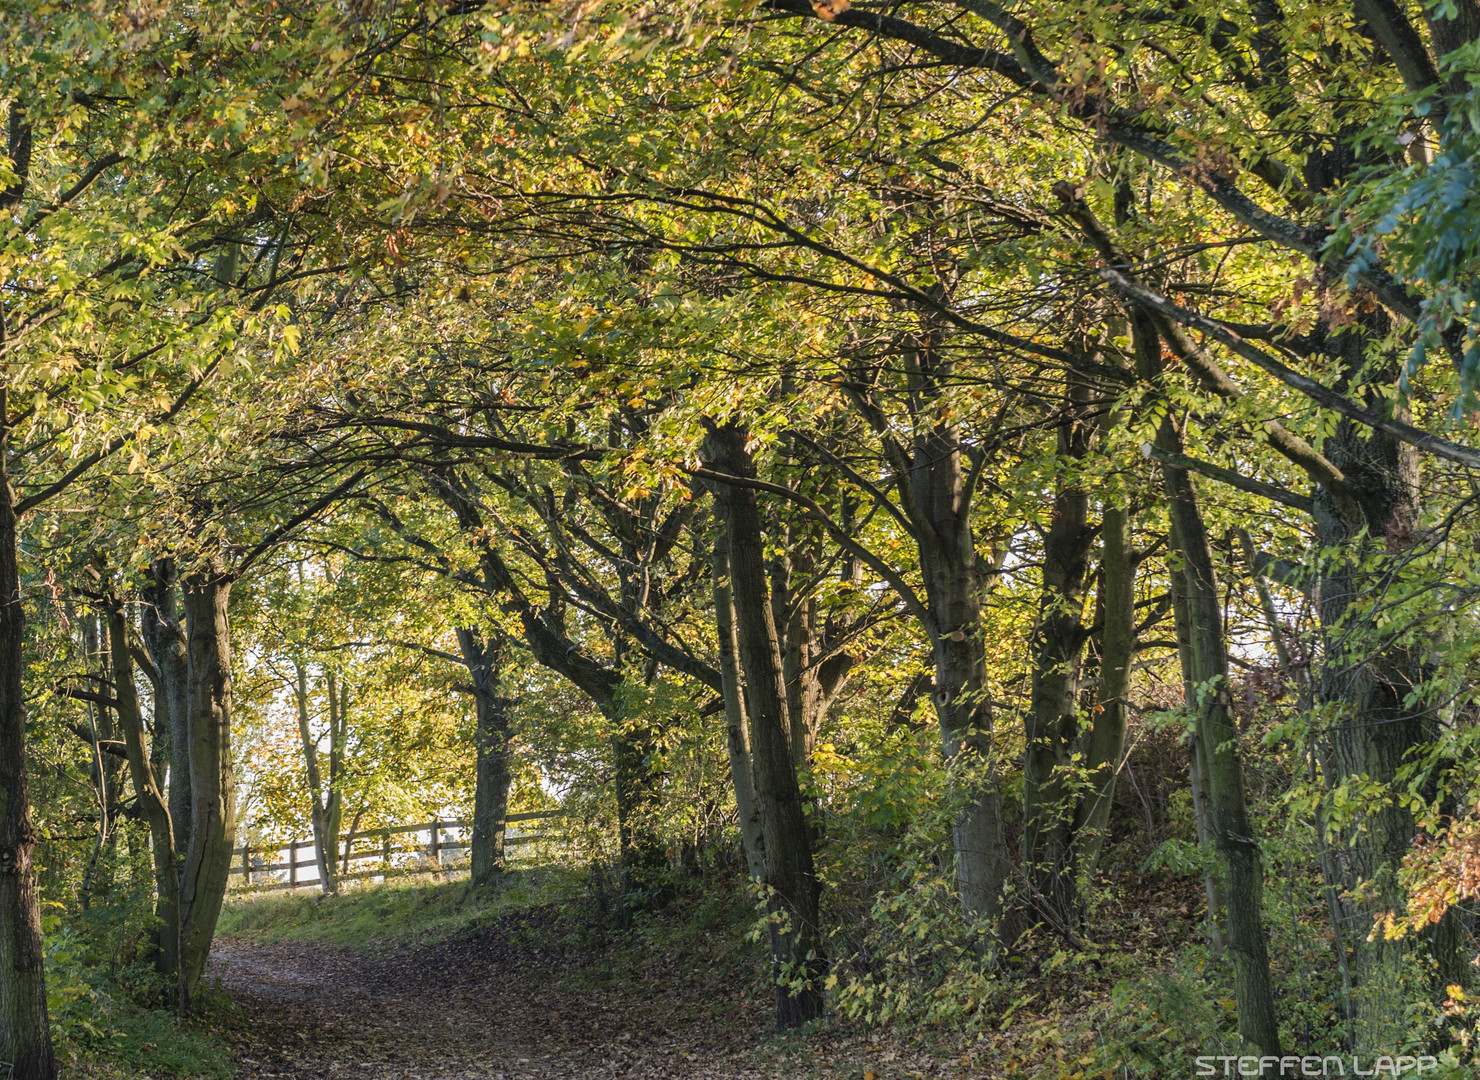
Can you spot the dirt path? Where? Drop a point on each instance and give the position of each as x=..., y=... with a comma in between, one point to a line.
x=487, y=1005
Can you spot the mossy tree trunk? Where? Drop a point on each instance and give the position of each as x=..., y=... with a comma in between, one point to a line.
x=164, y=637
x=737, y=725
x=1104, y=742
x=1217, y=734
x=1052, y=720
x=150, y=796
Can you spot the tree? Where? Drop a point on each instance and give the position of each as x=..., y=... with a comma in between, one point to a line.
x=786, y=837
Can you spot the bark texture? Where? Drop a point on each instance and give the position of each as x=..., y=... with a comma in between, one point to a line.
x=1217, y=733
x=953, y=594
x=1104, y=744
x=1052, y=720
x=481, y=654
x=164, y=637
x=815, y=658
x=150, y=796
x=25, y=1031
x=1374, y=731
x=1197, y=762
x=796, y=941
x=212, y=784
x=737, y=727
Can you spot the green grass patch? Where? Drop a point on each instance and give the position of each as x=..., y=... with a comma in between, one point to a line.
x=104, y=1015
x=154, y=1044
x=368, y=917
x=114, y=1040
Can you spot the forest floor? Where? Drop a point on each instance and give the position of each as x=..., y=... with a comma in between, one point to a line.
x=421, y=983
x=519, y=1000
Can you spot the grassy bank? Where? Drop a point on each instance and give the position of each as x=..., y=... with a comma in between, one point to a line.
x=405, y=911
x=123, y=1042
x=104, y=1032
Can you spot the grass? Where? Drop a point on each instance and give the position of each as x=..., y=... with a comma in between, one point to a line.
x=370, y=917
x=152, y=1044
x=116, y=1040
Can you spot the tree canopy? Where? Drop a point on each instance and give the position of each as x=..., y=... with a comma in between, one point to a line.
x=944, y=464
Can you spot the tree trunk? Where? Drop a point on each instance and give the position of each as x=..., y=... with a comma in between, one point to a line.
x=953, y=592
x=107, y=769
x=1372, y=735
x=150, y=797
x=325, y=836
x=934, y=492
x=795, y=560
x=164, y=637
x=1217, y=735
x=1197, y=763
x=212, y=785
x=338, y=694
x=737, y=729
x=349, y=838
x=1052, y=719
x=644, y=858
x=25, y=1032
x=1105, y=742
x=1366, y=530
x=796, y=940
x=545, y=637
x=491, y=792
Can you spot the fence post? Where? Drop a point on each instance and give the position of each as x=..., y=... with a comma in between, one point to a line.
x=437, y=842
x=385, y=846
x=293, y=864
x=247, y=866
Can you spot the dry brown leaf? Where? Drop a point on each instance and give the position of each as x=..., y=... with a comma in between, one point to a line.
x=828, y=10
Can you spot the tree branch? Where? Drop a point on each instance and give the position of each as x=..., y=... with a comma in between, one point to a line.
x=1323, y=395
x=1303, y=503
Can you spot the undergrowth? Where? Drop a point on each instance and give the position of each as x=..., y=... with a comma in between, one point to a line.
x=107, y=1027
x=700, y=930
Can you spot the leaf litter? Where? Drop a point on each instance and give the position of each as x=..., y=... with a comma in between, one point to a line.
x=522, y=999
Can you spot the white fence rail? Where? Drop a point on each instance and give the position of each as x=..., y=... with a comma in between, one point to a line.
x=414, y=855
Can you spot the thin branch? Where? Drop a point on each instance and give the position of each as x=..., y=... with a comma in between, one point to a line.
x=276, y=535
x=60, y=485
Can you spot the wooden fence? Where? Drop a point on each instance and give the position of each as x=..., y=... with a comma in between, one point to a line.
x=385, y=851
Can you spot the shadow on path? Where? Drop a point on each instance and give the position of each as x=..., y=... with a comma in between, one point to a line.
x=484, y=1005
